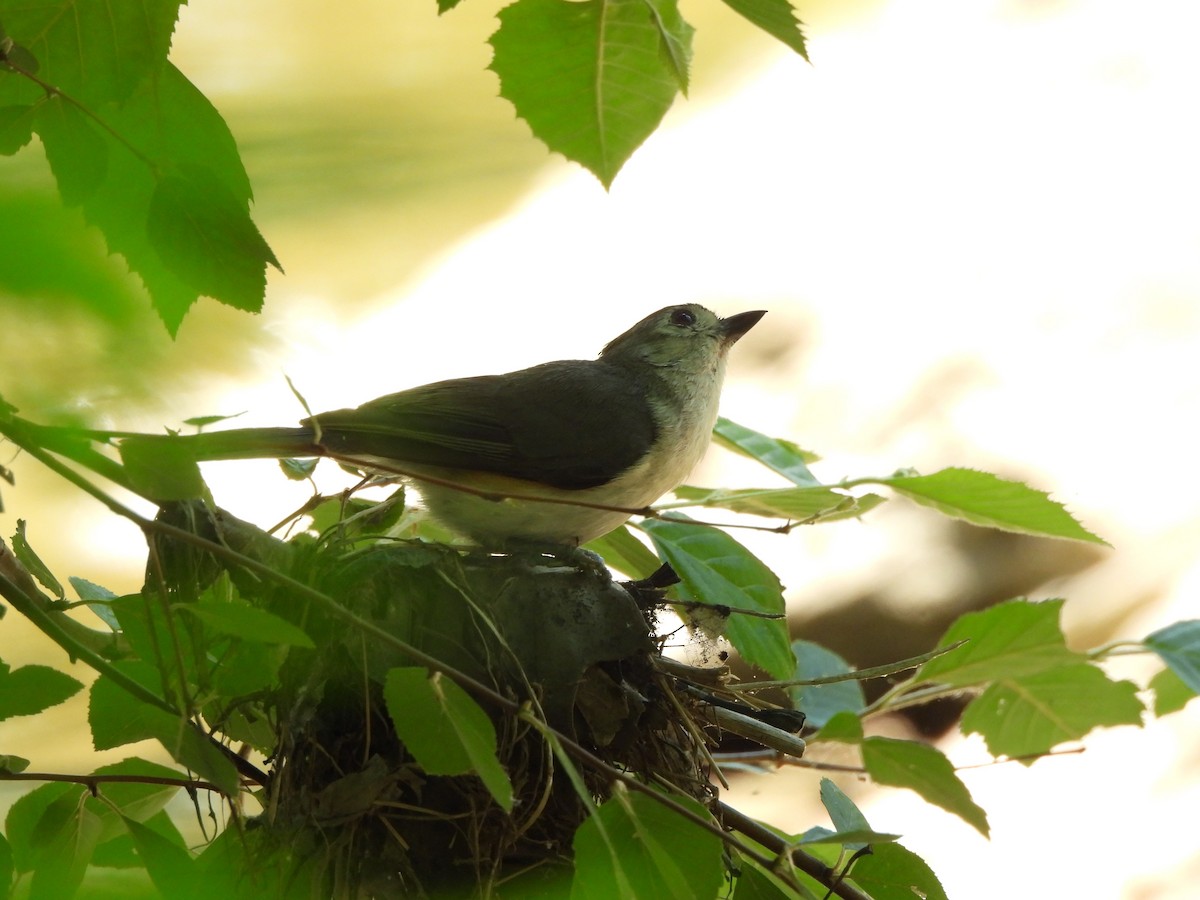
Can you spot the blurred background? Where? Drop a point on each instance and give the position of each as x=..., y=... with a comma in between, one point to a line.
x=974, y=226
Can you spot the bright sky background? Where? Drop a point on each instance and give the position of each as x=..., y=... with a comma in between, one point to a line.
x=974, y=225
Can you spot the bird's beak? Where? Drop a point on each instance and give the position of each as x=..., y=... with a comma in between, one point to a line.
x=734, y=327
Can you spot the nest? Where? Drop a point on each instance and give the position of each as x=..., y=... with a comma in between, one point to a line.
x=577, y=647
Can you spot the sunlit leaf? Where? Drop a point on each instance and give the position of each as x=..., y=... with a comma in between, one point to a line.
x=1032, y=714
x=1004, y=641
x=799, y=503
x=782, y=456
x=776, y=17
x=984, y=499
x=893, y=872
x=716, y=569
x=923, y=769
x=593, y=78
x=624, y=552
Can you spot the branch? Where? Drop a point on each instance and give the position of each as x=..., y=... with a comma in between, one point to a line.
x=92, y=782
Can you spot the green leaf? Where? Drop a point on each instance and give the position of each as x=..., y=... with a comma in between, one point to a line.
x=1179, y=647
x=11, y=764
x=98, y=599
x=820, y=702
x=31, y=561
x=1032, y=714
x=31, y=689
x=893, y=872
x=117, y=718
x=6, y=866
x=135, y=800
x=843, y=727
x=851, y=838
x=16, y=127
x=1008, y=640
x=20, y=825
x=926, y=770
x=776, y=17
x=632, y=847
x=444, y=729
x=1171, y=693
x=778, y=455
x=77, y=154
x=809, y=504
x=160, y=469
x=203, y=233
x=95, y=52
x=983, y=499
x=594, y=78
x=246, y=622
x=624, y=552
x=64, y=839
x=170, y=866
x=174, y=126
x=843, y=812
x=717, y=569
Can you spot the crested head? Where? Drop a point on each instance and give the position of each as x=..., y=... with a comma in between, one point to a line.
x=687, y=337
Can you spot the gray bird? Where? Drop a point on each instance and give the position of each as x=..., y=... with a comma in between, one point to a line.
x=618, y=431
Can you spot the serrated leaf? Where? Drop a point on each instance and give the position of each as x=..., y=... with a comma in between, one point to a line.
x=778, y=455
x=249, y=623
x=30, y=689
x=1024, y=716
x=776, y=17
x=624, y=552
x=117, y=718
x=820, y=702
x=173, y=125
x=633, y=847
x=1171, y=693
x=97, y=598
x=31, y=561
x=893, y=872
x=77, y=154
x=593, y=79
x=811, y=504
x=444, y=729
x=984, y=499
x=1178, y=645
x=95, y=52
x=923, y=769
x=1008, y=640
x=16, y=127
x=716, y=569
x=203, y=233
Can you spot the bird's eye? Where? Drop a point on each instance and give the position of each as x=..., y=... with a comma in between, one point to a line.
x=683, y=317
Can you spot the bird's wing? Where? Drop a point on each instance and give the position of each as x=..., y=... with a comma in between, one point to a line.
x=572, y=424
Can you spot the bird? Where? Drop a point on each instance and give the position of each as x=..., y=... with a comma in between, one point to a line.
x=558, y=454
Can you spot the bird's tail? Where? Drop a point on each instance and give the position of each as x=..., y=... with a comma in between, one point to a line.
x=237, y=443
